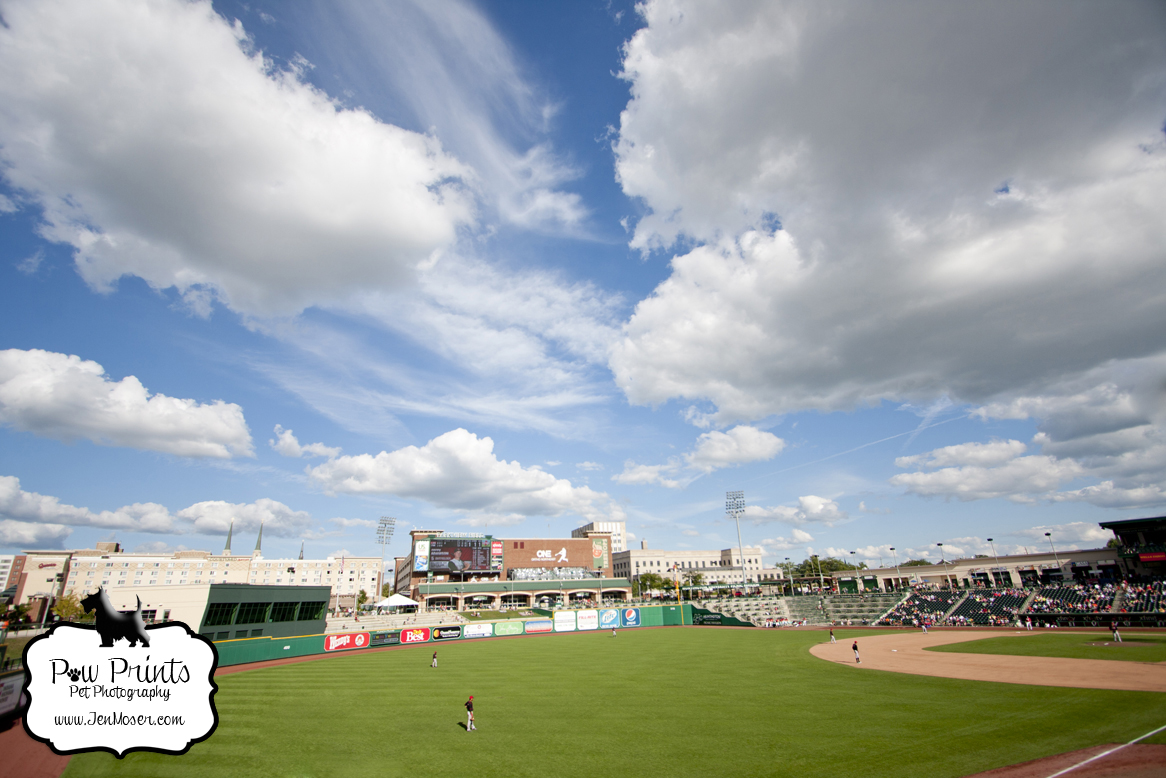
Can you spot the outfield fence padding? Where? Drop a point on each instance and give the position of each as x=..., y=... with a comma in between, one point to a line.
x=264, y=649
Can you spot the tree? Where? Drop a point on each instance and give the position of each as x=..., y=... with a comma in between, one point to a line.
x=387, y=590
x=809, y=567
x=361, y=598
x=68, y=607
x=650, y=581
x=1113, y=543
x=916, y=563
x=694, y=579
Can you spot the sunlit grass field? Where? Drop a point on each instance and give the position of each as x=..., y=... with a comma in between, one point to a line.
x=1135, y=646
x=651, y=702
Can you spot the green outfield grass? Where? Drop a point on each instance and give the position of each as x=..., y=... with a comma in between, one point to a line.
x=662, y=702
x=1136, y=646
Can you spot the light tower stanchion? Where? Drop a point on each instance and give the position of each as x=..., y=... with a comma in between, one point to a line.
x=735, y=506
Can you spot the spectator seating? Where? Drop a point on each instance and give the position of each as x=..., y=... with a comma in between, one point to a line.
x=996, y=607
x=922, y=607
x=1073, y=598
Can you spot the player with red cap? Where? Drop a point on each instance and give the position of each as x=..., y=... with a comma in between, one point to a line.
x=470, y=714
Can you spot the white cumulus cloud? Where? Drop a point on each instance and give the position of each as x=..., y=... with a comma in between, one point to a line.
x=713, y=451
x=810, y=508
x=286, y=444
x=951, y=223
x=23, y=512
x=458, y=470
x=739, y=445
x=158, y=144
x=65, y=397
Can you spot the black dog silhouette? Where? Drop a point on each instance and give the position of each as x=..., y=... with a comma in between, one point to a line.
x=113, y=625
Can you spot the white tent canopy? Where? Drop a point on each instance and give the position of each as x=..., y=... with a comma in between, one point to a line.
x=396, y=600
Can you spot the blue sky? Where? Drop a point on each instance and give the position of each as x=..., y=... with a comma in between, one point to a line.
x=896, y=273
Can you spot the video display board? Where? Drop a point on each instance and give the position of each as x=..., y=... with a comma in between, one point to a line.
x=452, y=555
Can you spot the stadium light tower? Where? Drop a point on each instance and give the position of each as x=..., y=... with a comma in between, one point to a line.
x=899, y=582
x=735, y=506
x=385, y=529
x=997, y=571
x=946, y=577
x=1049, y=535
x=854, y=561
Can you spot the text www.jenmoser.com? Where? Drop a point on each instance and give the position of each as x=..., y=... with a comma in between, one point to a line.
x=93, y=718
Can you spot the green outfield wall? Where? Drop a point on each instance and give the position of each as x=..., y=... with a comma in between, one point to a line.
x=263, y=649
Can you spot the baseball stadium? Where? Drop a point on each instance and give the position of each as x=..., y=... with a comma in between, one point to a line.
x=697, y=687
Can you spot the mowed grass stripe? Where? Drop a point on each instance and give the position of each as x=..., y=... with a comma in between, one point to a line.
x=670, y=702
x=1136, y=646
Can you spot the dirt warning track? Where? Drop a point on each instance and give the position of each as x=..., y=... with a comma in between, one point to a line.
x=904, y=653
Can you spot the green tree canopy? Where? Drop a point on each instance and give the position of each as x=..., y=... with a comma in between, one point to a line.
x=916, y=563
x=362, y=598
x=809, y=567
x=68, y=607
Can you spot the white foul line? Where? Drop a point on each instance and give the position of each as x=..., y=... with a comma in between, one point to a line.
x=1107, y=753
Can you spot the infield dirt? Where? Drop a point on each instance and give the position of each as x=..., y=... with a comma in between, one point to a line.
x=905, y=653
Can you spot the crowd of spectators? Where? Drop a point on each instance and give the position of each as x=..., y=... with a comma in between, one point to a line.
x=996, y=607
x=1073, y=598
x=922, y=608
x=1143, y=598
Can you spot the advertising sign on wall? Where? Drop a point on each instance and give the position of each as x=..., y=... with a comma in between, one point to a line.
x=478, y=630
x=421, y=556
x=599, y=553
x=10, y=687
x=587, y=620
x=447, y=633
x=608, y=618
x=564, y=621
x=538, y=625
x=385, y=639
x=508, y=628
x=630, y=617
x=416, y=635
x=346, y=640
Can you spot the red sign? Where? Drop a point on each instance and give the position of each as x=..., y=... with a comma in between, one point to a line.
x=46, y=564
x=419, y=635
x=1153, y=556
x=345, y=640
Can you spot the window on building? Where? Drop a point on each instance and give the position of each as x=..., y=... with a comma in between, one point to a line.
x=252, y=613
x=220, y=613
x=310, y=611
x=284, y=611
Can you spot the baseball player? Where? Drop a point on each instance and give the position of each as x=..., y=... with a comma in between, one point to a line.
x=470, y=714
